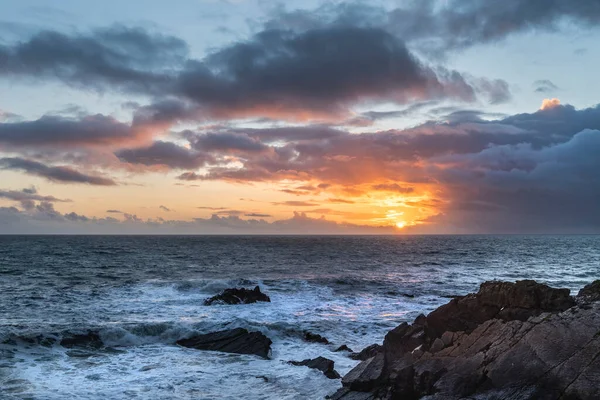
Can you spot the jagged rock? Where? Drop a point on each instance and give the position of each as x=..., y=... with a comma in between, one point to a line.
x=365, y=376
x=90, y=340
x=238, y=296
x=505, y=300
x=436, y=346
x=238, y=341
x=343, y=348
x=323, y=364
x=590, y=292
x=314, y=338
x=367, y=352
x=347, y=394
x=553, y=355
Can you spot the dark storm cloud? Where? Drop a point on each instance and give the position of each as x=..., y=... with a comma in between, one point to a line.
x=317, y=70
x=165, y=153
x=434, y=27
x=524, y=189
x=56, y=174
x=544, y=86
x=131, y=59
x=277, y=73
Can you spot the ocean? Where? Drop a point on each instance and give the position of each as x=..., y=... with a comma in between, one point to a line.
x=143, y=293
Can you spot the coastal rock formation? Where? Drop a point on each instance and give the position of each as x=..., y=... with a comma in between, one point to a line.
x=323, y=364
x=367, y=352
x=238, y=296
x=344, y=348
x=520, y=340
x=314, y=338
x=238, y=341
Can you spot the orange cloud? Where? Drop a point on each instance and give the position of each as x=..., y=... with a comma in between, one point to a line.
x=548, y=104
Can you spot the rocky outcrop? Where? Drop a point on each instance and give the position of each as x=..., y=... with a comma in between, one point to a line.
x=238, y=341
x=323, y=364
x=238, y=296
x=590, y=292
x=314, y=338
x=343, y=348
x=367, y=352
x=519, y=340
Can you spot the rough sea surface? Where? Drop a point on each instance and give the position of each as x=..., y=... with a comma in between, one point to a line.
x=144, y=293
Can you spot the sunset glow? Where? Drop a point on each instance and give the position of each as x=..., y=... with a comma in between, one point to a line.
x=300, y=127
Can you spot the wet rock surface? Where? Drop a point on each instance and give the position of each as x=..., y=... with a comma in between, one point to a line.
x=238, y=296
x=323, y=364
x=239, y=341
x=520, y=340
x=367, y=352
x=314, y=338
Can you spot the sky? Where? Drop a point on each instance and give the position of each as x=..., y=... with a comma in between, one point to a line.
x=299, y=117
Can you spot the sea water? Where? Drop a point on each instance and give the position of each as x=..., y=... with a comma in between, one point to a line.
x=143, y=293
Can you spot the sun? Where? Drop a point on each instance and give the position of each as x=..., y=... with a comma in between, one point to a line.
x=400, y=224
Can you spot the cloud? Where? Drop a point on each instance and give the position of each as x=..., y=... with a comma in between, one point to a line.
x=258, y=215
x=28, y=195
x=548, y=104
x=544, y=86
x=60, y=132
x=392, y=187
x=436, y=28
x=56, y=174
x=294, y=203
x=114, y=211
x=340, y=201
x=49, y=220
x=165, y=208
x=166, y=154
x=277, y=73
x=129, y=59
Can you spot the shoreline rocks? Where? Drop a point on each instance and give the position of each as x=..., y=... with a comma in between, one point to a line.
x=239, y=341
x=238, y=296
x=323, y=364
x=520, y=340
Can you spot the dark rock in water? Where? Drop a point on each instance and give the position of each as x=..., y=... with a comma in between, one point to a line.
x=264, y=378
x=238, y=341
x=238, y=296
x=491, y=353
x=314, y=338
x=90, y=340
x=367, y=352
x=323, y=364
x=590, y=292
x=343, y=348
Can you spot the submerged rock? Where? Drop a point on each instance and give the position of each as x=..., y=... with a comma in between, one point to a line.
x=314, y=338
x=519, y=340
x=343, y=348
x=323, y=364
x=238, y=296
x=238, y=341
